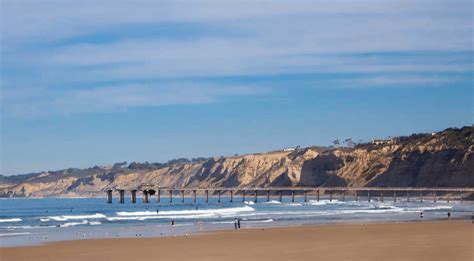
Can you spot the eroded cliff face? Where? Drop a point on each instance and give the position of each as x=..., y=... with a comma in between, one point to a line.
x=441, y=160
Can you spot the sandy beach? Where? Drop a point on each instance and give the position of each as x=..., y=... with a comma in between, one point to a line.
x=392, y=241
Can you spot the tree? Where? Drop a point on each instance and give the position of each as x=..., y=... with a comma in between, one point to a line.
x=349, y=142
x=336, y=142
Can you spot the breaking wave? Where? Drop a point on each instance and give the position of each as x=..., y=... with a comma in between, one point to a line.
x=10, y=220
x=83, y=222
x=73, y=217
x=221, y=211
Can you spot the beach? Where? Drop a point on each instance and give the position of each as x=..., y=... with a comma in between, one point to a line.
x=435, y=240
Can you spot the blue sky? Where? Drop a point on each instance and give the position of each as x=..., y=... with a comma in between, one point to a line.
x=88, y=83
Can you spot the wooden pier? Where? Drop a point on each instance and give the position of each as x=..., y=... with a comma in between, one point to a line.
x=341, y=192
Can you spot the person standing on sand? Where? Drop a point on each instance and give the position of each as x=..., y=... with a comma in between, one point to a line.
x=238, y=223
x=235, y=224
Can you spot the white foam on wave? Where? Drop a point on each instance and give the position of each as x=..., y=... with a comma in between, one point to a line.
x=180, y=214
x=73, y=217
x=261, y=221
x=428, y=208
x=14, y=234
x=10, y=220
x=389, y=209
x=220, y=211
x=72, y=224
x=249, y=203
x=83, y=222
x=325, y=202
x=27, y=227
x=272, y=202
x=293, y=204
x=142, y=218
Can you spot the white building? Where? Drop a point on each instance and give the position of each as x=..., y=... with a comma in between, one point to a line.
x=383, y=141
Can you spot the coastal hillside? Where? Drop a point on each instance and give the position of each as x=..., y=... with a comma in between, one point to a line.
x=443, y=159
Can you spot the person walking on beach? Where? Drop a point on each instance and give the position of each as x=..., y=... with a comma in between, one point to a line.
x=238, y=223
x=421, y=215
x=235, y=224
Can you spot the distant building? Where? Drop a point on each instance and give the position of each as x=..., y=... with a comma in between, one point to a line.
x=289, y=149
x=383, y=141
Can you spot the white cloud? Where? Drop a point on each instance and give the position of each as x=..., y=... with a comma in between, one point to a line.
x=273, y=37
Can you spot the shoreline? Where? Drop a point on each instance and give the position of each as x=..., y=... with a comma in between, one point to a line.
x=426, y=240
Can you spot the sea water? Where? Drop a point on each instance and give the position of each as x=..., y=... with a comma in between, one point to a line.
x=41, y=220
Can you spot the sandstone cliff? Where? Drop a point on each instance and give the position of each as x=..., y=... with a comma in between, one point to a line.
x=444, y=159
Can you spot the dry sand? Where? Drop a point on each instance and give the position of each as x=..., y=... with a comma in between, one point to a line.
x=393, y=241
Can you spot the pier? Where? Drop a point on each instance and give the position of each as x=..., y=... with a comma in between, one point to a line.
x=341, y=193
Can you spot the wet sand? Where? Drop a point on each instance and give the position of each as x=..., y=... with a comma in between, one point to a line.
x=392, y=241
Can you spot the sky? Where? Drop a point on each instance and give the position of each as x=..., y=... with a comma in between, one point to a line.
x=87, y=83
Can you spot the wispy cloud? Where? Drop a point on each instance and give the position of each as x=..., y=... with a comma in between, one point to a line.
x=118, y=98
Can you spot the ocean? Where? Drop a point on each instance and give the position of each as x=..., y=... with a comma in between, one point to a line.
x=41, y=220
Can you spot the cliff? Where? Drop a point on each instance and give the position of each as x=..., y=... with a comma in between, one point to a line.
x=444, y=159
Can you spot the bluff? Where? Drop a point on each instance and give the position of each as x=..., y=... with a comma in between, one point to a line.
x=443, y=159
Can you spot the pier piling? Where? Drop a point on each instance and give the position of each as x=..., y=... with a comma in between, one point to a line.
x=368, y=195
x=243, y=195
x=171, y=196
x=318, y=196
x=207, y=196
x=434, y=196
x=194, y=196
x=292, y=196
x=121, y=196
x=256, y=196
x=305, y=196
x=330, y=196
x=231, y=196
x=219, y=196
x=158, y=196
x=109, y=196
x=281, y=195
x=343, y=195
x=268, y=195
x=145, y=196
x=182, y=196
x=134, y=196
x=408, y=196
x=357, y=196
x=394, y=196
x=381, y=196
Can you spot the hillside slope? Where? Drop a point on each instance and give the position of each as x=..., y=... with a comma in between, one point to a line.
x=444, y=159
